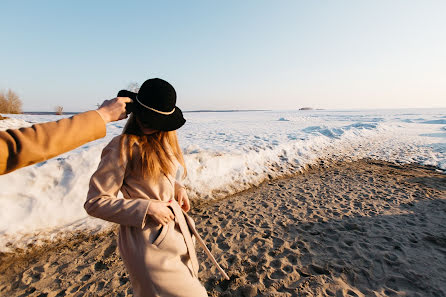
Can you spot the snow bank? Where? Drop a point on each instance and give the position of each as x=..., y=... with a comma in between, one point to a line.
x=224, y=152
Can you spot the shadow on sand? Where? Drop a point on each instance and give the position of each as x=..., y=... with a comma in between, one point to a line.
x=390, y=242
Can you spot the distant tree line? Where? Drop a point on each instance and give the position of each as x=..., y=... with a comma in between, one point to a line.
x=10, y=102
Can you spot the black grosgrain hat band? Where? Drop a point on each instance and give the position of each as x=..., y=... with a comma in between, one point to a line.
x=153, y=109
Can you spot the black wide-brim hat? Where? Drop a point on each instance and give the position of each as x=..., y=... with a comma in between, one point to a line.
x=154, y=105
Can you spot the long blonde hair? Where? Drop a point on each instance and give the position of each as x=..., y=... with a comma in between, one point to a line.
x=157, y=152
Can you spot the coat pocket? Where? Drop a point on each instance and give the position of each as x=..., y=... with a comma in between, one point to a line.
x=162, y=233
x=172, y=241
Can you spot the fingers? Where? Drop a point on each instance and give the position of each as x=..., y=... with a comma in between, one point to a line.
x=183, y=200
x=167, y=219
x=186, y=205
x=124, y=99
x=161, y=212
x=114, y=109
x=167, y=213
x=180, y=200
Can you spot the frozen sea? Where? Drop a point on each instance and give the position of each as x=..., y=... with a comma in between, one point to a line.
x=225, y=152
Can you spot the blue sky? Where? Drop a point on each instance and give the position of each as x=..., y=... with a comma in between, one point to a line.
x=227, y=54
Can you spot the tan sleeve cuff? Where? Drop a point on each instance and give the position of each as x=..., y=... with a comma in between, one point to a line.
x=105, y=122
x=100, y=125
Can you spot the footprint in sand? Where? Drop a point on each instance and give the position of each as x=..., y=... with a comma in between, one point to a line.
x=31, y=276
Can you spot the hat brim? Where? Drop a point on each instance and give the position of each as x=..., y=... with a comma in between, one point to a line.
x=157, y=121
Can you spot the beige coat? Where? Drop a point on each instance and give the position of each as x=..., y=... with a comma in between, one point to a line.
x=27, y=146
x=161, y=260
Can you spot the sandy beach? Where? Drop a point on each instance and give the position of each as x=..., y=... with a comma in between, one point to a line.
x=365, y=228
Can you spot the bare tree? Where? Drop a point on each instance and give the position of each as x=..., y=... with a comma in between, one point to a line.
x=10, y=102
x=15, y=104
x=59, y=110
x=3, y=103
x=133, y=87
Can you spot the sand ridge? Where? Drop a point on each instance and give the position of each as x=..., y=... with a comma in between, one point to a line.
x=365, y=228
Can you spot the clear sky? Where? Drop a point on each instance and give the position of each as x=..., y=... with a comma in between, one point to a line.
x=252, y=54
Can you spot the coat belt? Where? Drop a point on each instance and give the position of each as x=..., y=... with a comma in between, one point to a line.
x=185, y=221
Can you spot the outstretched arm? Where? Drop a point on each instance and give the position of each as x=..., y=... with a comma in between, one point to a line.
x=27, y=146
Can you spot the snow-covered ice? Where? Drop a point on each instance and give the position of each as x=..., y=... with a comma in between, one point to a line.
x=225, y=152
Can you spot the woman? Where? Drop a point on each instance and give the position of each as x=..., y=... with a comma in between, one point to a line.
x=155, y=238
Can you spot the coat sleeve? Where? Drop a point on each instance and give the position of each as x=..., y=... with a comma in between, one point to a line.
x=105, y=184
x=27, y=146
